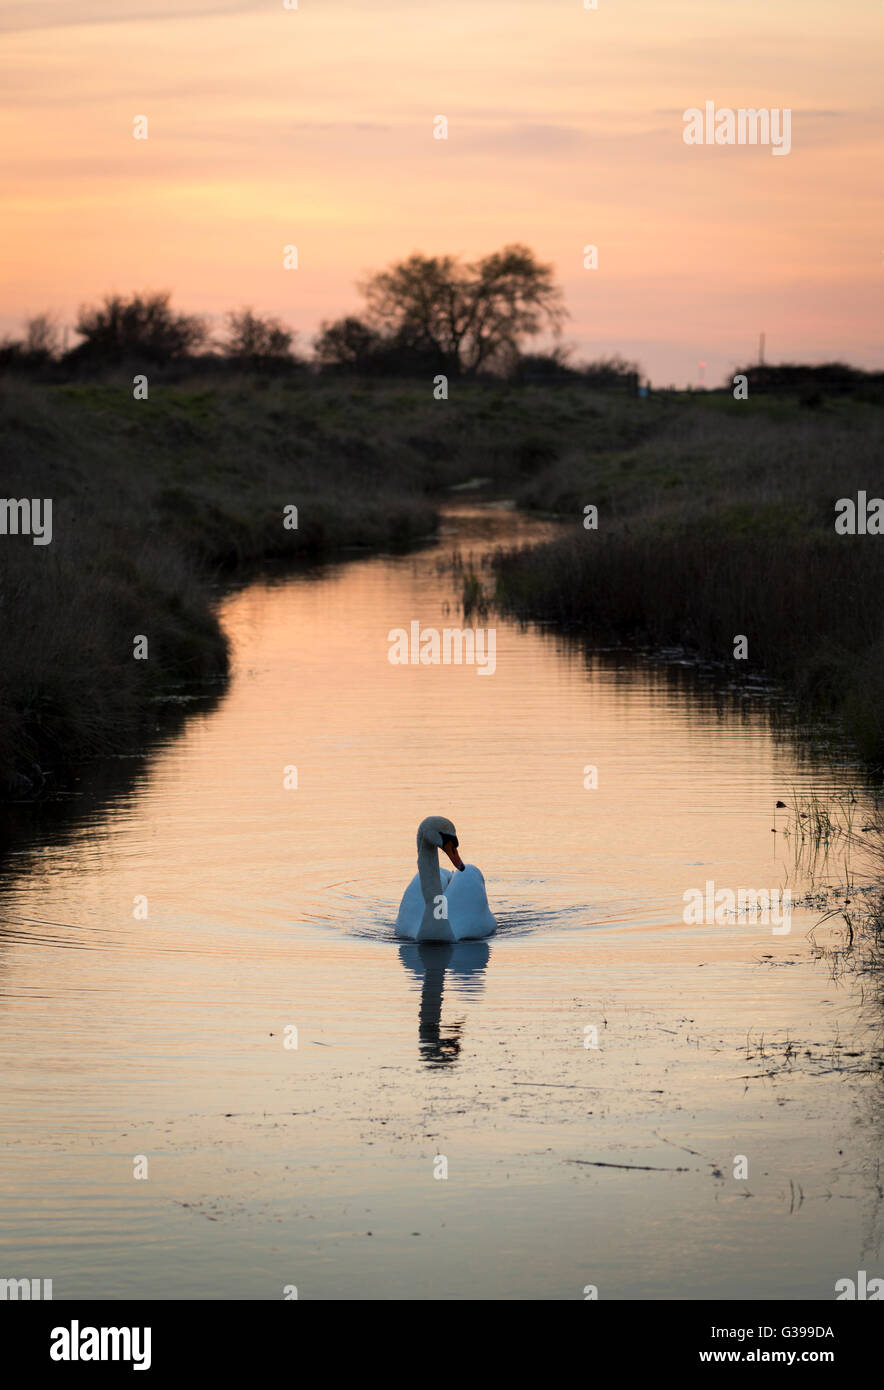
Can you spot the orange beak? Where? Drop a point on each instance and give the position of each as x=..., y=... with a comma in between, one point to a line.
x=449, y=848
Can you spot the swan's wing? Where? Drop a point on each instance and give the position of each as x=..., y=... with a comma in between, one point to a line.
x=411, y=909
x=469, y=915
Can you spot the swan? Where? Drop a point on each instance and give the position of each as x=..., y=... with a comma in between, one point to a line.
x=439, y=905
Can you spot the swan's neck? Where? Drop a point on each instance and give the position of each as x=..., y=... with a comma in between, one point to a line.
x=432, y=928
x=428, y=869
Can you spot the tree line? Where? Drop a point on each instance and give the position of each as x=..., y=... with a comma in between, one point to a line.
x=425, y=314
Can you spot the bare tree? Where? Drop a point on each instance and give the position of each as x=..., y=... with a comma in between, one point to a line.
x=347, y=342
x=143, y=326
x=36, y=350
x=42, y=338
x=468, y=315
x=256, y=340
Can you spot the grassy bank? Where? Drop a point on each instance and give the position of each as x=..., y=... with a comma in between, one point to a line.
x=153, y=500
x=721, y=522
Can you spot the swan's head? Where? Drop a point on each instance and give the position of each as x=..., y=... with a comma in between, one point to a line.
x=439, y=833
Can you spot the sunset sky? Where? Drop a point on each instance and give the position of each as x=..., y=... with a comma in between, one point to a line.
x=315, y=127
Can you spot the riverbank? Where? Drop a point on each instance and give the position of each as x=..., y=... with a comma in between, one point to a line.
x=720, y=525
x=156, y=501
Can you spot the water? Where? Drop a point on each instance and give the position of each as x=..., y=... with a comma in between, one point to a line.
x=127, y=1038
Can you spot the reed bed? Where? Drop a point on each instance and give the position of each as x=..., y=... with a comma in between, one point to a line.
x=722, y=525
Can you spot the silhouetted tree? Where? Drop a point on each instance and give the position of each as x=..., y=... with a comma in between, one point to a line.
x=144, y=327
x=554, y=365
x=348, y=343
x=465, y=317
x=611, y=371
x=42, y=337
x=257, y=342
x=38, y=348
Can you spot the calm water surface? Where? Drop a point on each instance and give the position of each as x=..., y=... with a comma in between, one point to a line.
x=271, y=909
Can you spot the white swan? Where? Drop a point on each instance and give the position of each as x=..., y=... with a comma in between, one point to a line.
x=439, y=905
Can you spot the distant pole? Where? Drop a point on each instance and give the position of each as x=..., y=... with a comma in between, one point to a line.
x=761, y=351
x=702, y=366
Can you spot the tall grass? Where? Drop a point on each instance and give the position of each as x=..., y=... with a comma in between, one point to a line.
x=722, y=524
x=847, y=834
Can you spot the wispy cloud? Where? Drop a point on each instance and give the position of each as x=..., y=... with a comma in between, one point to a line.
x=19, y=16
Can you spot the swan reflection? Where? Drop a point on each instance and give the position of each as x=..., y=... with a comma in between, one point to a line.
x=428, y=962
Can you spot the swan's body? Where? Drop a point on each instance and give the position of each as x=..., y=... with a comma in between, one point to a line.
x=439, y=905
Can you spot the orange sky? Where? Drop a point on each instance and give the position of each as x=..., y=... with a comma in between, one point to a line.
x=314, y=127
